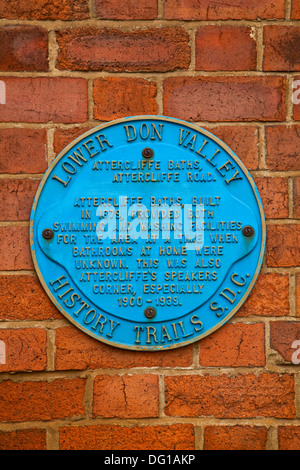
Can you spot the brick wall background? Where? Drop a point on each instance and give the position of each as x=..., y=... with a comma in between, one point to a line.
x=68, y=65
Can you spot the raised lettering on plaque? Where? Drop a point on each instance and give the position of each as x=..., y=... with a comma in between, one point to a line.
x=147, y=233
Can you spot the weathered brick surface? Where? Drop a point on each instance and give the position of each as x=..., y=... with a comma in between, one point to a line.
x=274, y=196
x=131, y=10
x=283, y=147
x=225, y=48
x=25, y=349
x=16, y=249
x=31, y=401
x=23, y=150
x=44, y=99
x=23, y=439
x=235, y=438
x=285, y=339
x=298, y=294
x=116, y=98
x=24, y=48
x=22, y=297
x=116, y=437
x=296, y=98
x=283, y=245
x=222, y=396
x=243, y=140
x=234, y=345
x=16, y=198
x=63, y=137
x=229, y=10
x=281, y=52
x=44, y=10
x=296, y=190
x=225, y=98
x=155, y=49
x=295, y=14
x=269, y=297
x=76, y=350
x=131, y=396
x=289, y=437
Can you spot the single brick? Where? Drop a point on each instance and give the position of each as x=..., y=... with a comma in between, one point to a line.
x=225, y=48
x=283, y=335
x=229, y=10
x=115, y=437
x=23, y=48
x=44, y=99
x=281, y=48
x=234, y=345
x=274, y=196
x=23, y=439
x=120, y=97
x=243, y=140
x=63, y=137
x=283, y=245
x=76, y=350
x=23, y=150
x=25, y=349
x=225, y=98
x=298, y=294
x=269, y=297
x=44, y=10
x=131, y=10
x=16, y=198
x=148, y=50
x=295, y=14
x=127, y=396
x=283, y=147
x=296, y=190
x=296, y=99
x=223, y=396
x=235, y=438
x=22, y=297
x=289, y=437
x=31, y=401
x=15, y=248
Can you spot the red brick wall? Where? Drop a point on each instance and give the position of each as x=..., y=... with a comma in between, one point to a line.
x=67, y=66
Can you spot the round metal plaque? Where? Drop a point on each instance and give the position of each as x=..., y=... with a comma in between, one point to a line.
x=147, y=233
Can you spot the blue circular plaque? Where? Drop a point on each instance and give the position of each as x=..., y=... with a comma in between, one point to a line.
x=147, y=233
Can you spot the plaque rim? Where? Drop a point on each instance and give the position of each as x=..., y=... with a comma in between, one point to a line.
x=247, y=174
